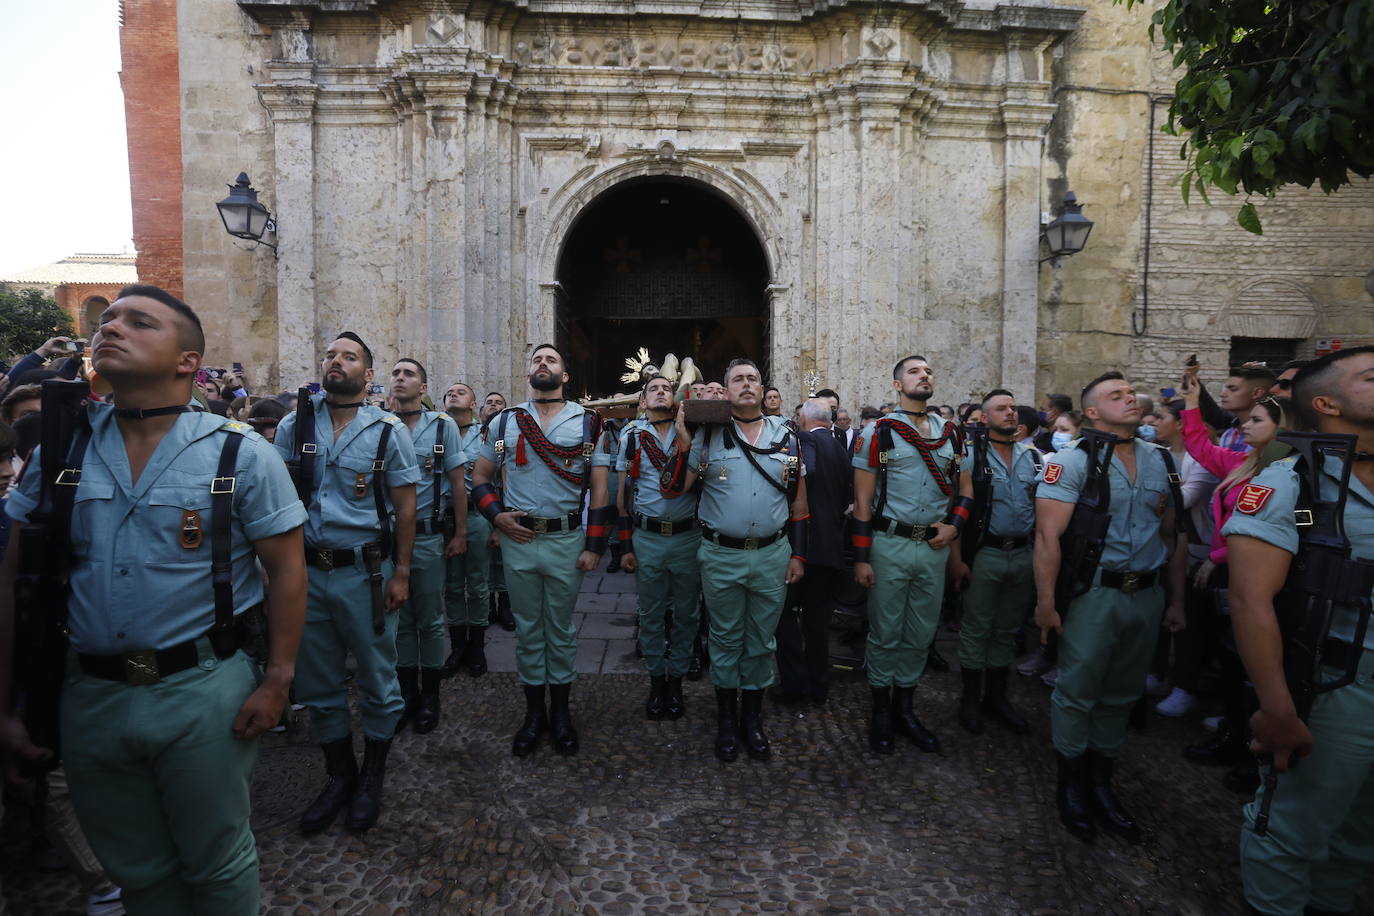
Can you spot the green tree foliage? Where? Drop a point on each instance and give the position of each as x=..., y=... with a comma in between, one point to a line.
x=1272, y=93
x=28, y=317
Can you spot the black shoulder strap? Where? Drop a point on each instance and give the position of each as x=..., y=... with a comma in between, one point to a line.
x=378, y=481
x=305, y=446
x=884, y=435
x=500, y=444
x=591, y=435
x=632, y=434
x=221, y=543
x=1175, y=488
x=438, y=471
x=64, y=501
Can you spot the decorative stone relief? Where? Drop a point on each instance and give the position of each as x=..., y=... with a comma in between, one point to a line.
x=721, y=56
x=443, y=28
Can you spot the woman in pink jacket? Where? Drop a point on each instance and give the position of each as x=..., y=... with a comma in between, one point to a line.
x=1267, y=419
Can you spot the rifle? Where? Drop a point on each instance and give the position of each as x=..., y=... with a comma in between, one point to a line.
x=41, y=588
x=1080, y=546
x=301, y=464
x=1323, y=575
x=981, y=472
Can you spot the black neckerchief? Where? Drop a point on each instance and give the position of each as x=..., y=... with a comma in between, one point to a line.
x=344, y=406
x=144, y=413
x=757, y=419
x=912, y=413
x=408, y=413
x=1002, y=441
x=664, y=420
x=548, y=400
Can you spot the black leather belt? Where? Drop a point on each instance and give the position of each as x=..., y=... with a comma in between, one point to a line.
x=332, y=558
x=140, y=669
x=913, y=532
x=1129, y=582
x=1002, y=543
x=664, y=526
x=1338, y=653
x=429, y=526
x=551, y=525
x=740, y=543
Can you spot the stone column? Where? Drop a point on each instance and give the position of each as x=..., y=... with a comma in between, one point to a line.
x=290, y=99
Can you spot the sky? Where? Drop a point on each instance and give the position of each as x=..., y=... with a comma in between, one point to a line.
x=64, y=162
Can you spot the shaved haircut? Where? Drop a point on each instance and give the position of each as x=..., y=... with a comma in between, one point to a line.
x=1320, y=378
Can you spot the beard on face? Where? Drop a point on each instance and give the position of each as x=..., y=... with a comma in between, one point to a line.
x=544, y=380
x=919, y=395
x=1003, y=430
x=344, y=385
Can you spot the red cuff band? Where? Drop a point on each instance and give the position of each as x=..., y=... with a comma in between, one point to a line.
x=961, y=511
x=861, y=540
x=486, y=500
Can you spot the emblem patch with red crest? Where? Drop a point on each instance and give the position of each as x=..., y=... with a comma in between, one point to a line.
x=1253, y=498
x=1052, y=472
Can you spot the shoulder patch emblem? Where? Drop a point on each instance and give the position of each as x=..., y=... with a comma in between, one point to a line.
x=235, y=426
x=1052, y=472
x=1253, y=498
x=392, y=419
x=858, y=444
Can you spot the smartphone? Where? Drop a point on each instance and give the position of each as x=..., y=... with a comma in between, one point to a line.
x=314, y=387
x=376, y=388
x=238, y=367
x=74, y=346
x=1191, y=361
x=1168, y=392
x=202, y=376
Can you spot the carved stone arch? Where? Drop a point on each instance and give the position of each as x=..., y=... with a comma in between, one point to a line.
x=1270, y=307
x=761, y=213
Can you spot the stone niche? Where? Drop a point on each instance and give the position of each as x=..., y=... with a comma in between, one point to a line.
x=887, y=157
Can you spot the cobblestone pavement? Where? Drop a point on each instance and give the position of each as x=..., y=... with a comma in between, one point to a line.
x=645, y=819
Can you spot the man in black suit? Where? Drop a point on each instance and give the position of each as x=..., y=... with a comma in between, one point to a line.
x=803, y=640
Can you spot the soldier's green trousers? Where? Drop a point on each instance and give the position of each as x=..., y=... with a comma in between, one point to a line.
x=420, y=631
x=338, y=622
x=903, y=608
x=1104, y=655
x=543, y=580
x=668, y=569
x=1320, y=843
x=160, y=785
x=744, y=591
x=998, y=595
x=466, y=592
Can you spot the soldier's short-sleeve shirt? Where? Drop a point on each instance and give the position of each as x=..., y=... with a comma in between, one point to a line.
x=1012, y=514
x=913, y=495
x=343, y=510
x=434, y=429
x=735, y=499
x=1265, y=511
x=1134, y=541
x=529, y=484
x=136, y=582
x=645, y=490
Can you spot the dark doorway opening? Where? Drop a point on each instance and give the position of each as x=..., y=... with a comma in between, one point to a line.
x=664, y=264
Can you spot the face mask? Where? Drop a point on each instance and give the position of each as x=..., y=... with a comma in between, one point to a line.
x=1043, y=418
x=1147, y=433
x=1060, y=440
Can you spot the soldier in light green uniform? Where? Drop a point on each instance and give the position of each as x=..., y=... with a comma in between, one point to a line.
x=753, y=503
x=160, y=711
x=906, y=469
x=1107, y=635
x=661, y=539
x=1319, y=846
x=546, y=455
x=440, y=501
x=466, y=600
x=351, y=492
x=1000, y=586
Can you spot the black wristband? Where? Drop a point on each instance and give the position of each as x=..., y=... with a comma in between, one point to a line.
x=861, y=540
x=796, y=533
x=598, y=529
x=488, y=501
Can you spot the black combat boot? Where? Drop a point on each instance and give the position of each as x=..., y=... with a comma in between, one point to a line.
x=970, y=716
x=658, y=697
x=1244, y=777
x=427, y=716
x=457, y=637
x=697, y=663
x=475, y=654
x=410, y=695
x=1226, y=748
x=342, y=769
x=367, y=801
x=1071, y=795
x=880, y=728
x=1105, y=803
x=995, y=702
x=617, y=551
x=504, y=617
x=536, y=720
x=906, y=724
x=751, y=724
x=672, y=706
x=560, y=720
x=935, y=661
x=727, y=724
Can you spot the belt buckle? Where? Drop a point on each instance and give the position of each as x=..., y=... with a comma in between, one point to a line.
x=1008, y=543
x=1130, y=582
x=324, y=559
x=751, y=543
x=140, y=668
x=918, y=532
x=541, y=526
x=665, y=528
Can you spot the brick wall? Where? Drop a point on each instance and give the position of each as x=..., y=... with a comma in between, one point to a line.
x=152, y=111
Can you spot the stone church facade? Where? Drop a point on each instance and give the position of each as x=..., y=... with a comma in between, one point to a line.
x=823, y=185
